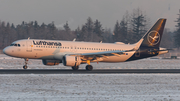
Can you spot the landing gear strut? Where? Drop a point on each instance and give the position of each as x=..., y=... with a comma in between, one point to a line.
x=75, y=67
x=26, y=62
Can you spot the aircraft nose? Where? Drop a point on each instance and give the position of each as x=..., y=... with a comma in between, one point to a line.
x=6, y=51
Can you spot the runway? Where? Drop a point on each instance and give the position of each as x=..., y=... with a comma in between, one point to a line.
x=95, y=71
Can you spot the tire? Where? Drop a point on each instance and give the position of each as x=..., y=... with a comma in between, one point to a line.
x=75, y=67
x=89, y=68
x=25, y=67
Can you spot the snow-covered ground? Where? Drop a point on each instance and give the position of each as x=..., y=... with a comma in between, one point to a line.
x=93, y=87
x=90, y=87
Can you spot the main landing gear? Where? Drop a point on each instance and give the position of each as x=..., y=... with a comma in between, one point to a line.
x=75, y=67
x=26, y=62
x=89, y=67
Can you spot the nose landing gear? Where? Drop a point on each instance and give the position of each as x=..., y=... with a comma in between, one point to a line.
x=26, y=62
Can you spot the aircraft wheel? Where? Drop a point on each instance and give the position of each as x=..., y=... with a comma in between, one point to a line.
x=89, y=67
x=75, y=67
x=25, y=67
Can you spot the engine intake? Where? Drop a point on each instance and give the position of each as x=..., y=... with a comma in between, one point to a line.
x=51, y=62
x=71, y=61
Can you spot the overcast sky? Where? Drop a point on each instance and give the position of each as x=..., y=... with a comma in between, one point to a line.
x=76, y=12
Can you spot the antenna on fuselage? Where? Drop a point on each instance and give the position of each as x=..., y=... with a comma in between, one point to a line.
x=74, y=39
x=28, y=38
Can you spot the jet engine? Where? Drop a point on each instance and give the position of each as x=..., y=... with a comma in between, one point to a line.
x=51, y=62
x=71, y=60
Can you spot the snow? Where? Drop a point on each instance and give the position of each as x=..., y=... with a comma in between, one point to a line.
x=90, y=87
x=85, y=87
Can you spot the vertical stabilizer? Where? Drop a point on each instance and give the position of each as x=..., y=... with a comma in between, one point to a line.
x=153, y=37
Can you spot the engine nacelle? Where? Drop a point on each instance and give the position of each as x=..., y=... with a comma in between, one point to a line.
x=51, y=62
x=71, y=61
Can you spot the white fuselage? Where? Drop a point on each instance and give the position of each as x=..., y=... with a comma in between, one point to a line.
x=36, y=49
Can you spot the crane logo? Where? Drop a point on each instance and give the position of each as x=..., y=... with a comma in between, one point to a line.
x=153, y=37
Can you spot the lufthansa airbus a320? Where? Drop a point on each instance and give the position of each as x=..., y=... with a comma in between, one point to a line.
x=74, y=53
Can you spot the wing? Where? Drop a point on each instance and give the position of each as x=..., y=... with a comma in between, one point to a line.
x=96, y=56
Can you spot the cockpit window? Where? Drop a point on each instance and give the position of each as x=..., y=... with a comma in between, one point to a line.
x=12, y=44
x=17, y=45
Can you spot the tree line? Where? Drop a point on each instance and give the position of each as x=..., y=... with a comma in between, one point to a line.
x=10, y=33
x=128, y=30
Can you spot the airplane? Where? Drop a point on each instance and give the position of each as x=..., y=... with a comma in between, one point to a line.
x=74, y=53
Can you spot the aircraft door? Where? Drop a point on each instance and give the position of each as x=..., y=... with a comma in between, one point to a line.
x=29, y=46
